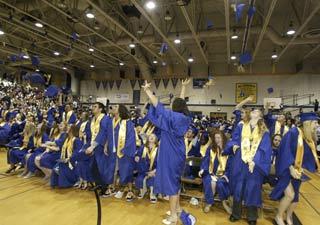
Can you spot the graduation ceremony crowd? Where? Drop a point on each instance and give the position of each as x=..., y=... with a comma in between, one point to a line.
x=131, y=154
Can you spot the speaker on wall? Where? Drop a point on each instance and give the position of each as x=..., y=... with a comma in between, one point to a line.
x=213, y=101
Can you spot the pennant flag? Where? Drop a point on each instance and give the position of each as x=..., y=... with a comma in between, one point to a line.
x=111, y=82
x=163, y=49
x=174, y=82
x=104, y=84
x=140, y=82
x=157, y=82
x=239, y=10
x=118, y=83
x=35, y=60
x=98, y=84
x=251, y=11
x=165, y=82
x=133, y=83
x=245, y=58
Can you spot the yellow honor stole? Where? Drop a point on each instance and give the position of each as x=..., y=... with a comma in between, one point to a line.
x=121, y=136
x=67, y=148
x=147, y=128
x=138, y=141
x=67, y=117
x=203, y=148
x=188, y=145
x=300, y=152
x=250, y=141
x=37, y=141
x=95, y=126
x=277, y=129
x=151, y=155
x=222, y=162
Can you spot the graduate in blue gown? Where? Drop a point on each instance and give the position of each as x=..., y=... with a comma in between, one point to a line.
x=240, y=113
x=174, y=124
x=98, y=133
x=5, y=129
x=146, y=159
x=17, y=154
x=215, y=169
x=64, y=173
x=15, y=135
x=48, y=159
x=68, y=115
x=251, y=150
x=81, y=160
x=297, y=154
x=192, y=143
x=121, y=150
x=272, y=179
x=276, y=123
x=41, y=137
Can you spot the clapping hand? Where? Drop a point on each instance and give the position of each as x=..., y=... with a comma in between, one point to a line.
x=185, y=82
x=146, y=85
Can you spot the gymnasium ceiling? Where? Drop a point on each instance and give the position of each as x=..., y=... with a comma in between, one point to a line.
x=205, y=28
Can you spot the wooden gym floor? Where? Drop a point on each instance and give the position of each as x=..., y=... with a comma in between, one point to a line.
x=24, y=202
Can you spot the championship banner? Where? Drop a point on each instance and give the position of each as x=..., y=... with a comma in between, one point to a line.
x=157, y=82
x=111, y=82
x=165, y=82
x=174, y=82
x=133, y=83
x=98, y=84
x=104, y=84
x=244, y=90
x=118, y=83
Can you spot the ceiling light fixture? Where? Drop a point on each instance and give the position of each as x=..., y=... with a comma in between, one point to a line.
x=177, y=40
x=1, y=32
x=274, y=54
x=132, y=45
x=121, y=63
x=150, y=5
x=64, y=68
x=56, y=53
x=92, y=66
x=37, y=24
x=233, y=57
x=89, y=13
x=25, y=57
x=190, y=59
x=91, y=49
x=291, y=30
x=167, y=17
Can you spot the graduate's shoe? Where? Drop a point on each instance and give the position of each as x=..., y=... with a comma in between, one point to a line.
x=168, y=213
x=23, y=174
x=129, y=196
x=29, y=175
x=76, y=185
x=10, y=169
x=206, y=208
x=170, y=220
x=153, y=199
x=119, y=195
x=233, y=219
x=109, y=192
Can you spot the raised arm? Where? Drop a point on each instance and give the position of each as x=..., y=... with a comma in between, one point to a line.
x=153, y=99
x=247, y=100
x=183, y=88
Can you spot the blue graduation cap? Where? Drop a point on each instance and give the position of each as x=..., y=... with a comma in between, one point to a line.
x=74, y=36
x=251, y=11
x=35, y=60
x=13, y=58
x=209, y=24
x=187, y=219
x=193, y=129
x=308, y=116
x=270, y=90
x=37, y=78
x=245, y=58
x=239, y=10
x=65, y=90
x=52, y=91
x=164, y=48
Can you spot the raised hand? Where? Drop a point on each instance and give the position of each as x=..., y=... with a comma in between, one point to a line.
x=146, y=85
x=186, y=81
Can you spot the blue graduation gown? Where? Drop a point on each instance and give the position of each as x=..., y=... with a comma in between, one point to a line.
x=172, y=150
x=237, y=114
x=51, y=116
x=143, y=167
x=271, y=123
x=49, y=159
x=4, y=134
x=245, y=185
x=35, y=152
x=66, y=176
x=286, y=158
x=222, y=185
x=126, y=163
x=17, y=155
x=192, y=171
x=99, y=155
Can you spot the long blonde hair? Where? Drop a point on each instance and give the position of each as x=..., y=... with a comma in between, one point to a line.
x=308, y=133
x=262, y=127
